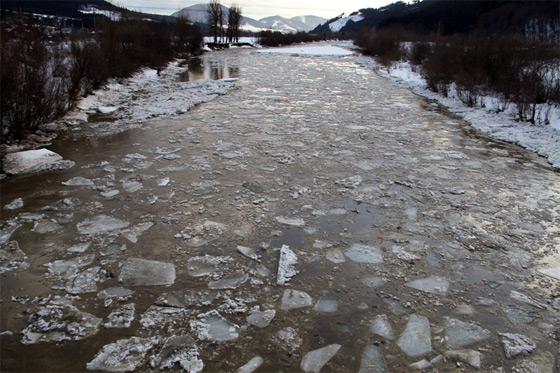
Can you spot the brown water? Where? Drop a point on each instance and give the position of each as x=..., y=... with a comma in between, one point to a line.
x=358, y=161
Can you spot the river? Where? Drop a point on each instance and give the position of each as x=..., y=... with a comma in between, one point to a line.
x=405, y=236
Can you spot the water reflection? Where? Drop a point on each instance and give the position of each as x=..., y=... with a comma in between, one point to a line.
x=203, y=69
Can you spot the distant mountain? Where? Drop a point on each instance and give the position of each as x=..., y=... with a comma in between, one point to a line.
x=81, y=10
x=198, y=14
x=367, y=17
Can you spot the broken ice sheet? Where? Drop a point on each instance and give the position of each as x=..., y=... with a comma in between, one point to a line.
x=294, y=222
x=402, y=254
x=143, y=272
x=315, y=360
x=416, y=338
x=381, y=326
x=295, y=299
x=229, y=281
x=364, y=254
x=101, y=224
x=46, y=226
x=460, y=333
x=6, y=233
x=79, y=248
x=373, y=281
x=122, y=317
x=179, y=350
x=200, y=266
x=165, y=318
x=248, y=252
x=15, y=204
x=12, y=258
x=251, y=366
x=131, y=186
x=328, y=305
x=287, y=339
x=212, y=326
x=124, y=355
x=78, y=181
x=396, y=306
x=516, y=344
x=470, y=357
x=372, y=360
x=335, y=256
x=186, y=299
x=261, y=319
x=435, y=285
x=59, y=321
x=132, y=233
x=286, y=263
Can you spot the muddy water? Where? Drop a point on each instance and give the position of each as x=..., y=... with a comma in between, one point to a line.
x=318, y=154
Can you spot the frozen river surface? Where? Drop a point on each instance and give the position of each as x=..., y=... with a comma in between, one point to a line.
x=318, y=218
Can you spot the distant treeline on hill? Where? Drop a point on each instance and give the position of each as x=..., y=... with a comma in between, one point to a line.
x=446, y=17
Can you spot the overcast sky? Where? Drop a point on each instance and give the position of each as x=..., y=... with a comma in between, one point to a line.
x=258, y=9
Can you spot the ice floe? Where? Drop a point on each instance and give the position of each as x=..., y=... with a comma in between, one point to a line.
x=516, y=344
x=315, y=360
x=143, y=272
x=460, y=333
x=295, y=299
x=364, y=254
x=212, y=326
x=178, y=351
x=101, y=224
x=416, y=338
x=286, y=265
x=124, y=355
x=30, y=161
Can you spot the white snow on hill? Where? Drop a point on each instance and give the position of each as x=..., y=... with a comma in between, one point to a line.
x=337, y=25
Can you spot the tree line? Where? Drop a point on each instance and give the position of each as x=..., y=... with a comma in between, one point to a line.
x=218, y=15
x=44, y=72
x=511, y=68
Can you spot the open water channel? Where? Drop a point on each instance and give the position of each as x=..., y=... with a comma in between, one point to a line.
x=317, y=218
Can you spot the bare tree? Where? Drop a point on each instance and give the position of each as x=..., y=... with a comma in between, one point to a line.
x=234, y=22
x=215, y=18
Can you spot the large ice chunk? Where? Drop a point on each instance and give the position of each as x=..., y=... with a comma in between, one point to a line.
x=435, y=285
x=295, y=299
x=143, y=272
x=416, y=338
x=261, y=319
x=34, y=161
x=214, y=327
x=179, y=350
x=460, y=333
x=364, y=254
x=101, y=224
x=286, y=263
x=313, y=361
x=517, y=344
x=125, y=355
x=373, y=361
x=381, y=326
x=252, y=365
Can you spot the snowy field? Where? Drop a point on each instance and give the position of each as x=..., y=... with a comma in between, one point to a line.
x=542, y=139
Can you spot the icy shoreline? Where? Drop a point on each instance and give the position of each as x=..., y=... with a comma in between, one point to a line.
x=541, y=139
x=117, y=107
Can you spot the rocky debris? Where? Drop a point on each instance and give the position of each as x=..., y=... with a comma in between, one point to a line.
x=252, y=365
x=293, y=299
x=471, y=357
x=381, y=326
x=416, y=338
x=178, y=351
x=30, y=161
x=373, y=360
x=435, y=285
x=143, y=272
x=124, y=355
x=59, y=321
x=12, y=258
x=287, y=339
x=516, y=344
x=101, y=224
x=212, y=326
x=121, y=317
x=261, y=319
x=460, y=333
x=286, y=265
x=315, y=360
x=364, y=254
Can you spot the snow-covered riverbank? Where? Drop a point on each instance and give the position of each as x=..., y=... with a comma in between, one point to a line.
x=539, y=138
